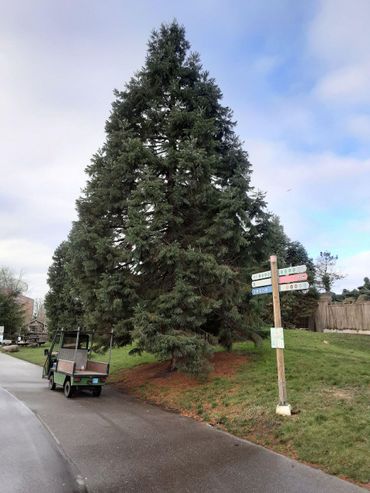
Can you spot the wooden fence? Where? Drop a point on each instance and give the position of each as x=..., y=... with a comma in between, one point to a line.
x=341, y=317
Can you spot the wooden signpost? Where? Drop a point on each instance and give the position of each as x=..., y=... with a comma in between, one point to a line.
x=291, y=279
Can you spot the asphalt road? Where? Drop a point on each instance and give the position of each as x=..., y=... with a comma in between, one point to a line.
x=29, y=457
x=119, y=444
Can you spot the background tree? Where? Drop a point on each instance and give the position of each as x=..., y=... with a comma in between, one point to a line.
x=365, y=288
x=363, y=291
x=326, y=274
x=298, y=306
x=12, y=283
x=62, y=303
x=11, y=312
x=38, y=307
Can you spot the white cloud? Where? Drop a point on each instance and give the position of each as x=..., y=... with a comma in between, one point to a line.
x=347, y=85
x=339, y=40
x=355, y=267
x=339, y=32
x=310, y=192
x=30, y=258
x=57, y=77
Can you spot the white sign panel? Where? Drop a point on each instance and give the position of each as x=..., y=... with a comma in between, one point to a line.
x=261, y=275
x=298, y=269
x=1, y=333
x=294, y=286
x=261, y=282
x=277, y=337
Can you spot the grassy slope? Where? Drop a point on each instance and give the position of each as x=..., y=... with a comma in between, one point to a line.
x=120, y=357
x=33, y=355
x=328, y=382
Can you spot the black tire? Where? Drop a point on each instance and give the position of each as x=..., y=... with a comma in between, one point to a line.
x=96, y=391
x=52, y=385
x=68, y=389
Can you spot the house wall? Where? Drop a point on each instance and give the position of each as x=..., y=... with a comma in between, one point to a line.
x=27, y=305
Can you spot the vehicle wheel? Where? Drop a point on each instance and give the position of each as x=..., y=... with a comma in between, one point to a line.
x=51, y=383
x=96, y=391
x=68, y=389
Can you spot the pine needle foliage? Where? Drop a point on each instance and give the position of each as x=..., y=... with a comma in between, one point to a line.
x=169, y=223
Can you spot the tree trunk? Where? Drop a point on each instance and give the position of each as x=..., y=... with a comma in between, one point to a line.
x=173, y=363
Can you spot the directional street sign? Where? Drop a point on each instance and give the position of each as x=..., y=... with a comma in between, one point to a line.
x=261, y=275
x=298, y=269
x=263, y=290
x=294, y=286
x=293, y=278
x=261, y=282
x=282, y=280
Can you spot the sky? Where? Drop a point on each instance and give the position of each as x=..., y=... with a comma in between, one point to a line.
x=296, y=75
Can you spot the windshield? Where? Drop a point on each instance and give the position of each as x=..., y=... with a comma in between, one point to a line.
x=69, y=341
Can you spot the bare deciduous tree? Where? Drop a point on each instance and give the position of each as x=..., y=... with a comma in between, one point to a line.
x=39, y=309
x=11, y=283
x=326, y=274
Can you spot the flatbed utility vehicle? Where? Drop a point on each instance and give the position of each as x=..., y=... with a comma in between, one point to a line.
x=68, y=365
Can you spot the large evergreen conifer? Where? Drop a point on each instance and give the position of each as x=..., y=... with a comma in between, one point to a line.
x=168, y=224
x=62, y=302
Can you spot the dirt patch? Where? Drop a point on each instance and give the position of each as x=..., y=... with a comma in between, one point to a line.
x=226, y=364
x=158, y=375
x=341, y=394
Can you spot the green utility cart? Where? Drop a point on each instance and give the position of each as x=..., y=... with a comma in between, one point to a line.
x=68, y=365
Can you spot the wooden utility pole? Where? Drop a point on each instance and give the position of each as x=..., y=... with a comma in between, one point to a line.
x=283, y=400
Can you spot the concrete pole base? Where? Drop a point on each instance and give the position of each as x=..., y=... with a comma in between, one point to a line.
x=284, y=409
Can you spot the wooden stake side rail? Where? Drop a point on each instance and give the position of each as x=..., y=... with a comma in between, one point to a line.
x=66, y=366
x=97, y=366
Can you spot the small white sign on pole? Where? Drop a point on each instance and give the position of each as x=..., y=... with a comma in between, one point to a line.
x=294, y=286
x=277, y=337
x=1, y=333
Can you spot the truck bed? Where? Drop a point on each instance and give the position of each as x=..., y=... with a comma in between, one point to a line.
x=84, y=373
x=93, y=368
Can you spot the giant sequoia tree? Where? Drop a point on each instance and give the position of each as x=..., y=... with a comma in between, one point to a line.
x=168, y=224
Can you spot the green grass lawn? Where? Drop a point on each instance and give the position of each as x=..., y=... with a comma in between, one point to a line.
x=328, y=384
x=33, y=355
x=120, y=357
